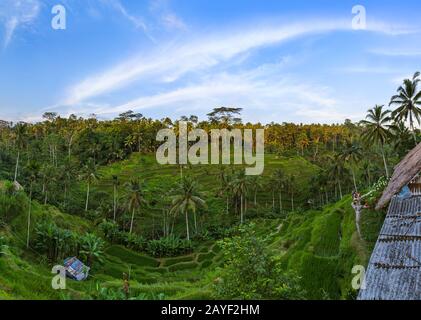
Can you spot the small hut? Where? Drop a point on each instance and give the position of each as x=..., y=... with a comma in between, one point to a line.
x=394, y=269
x=75, y=269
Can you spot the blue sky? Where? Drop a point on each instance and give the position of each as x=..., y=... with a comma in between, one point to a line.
x=298, y=61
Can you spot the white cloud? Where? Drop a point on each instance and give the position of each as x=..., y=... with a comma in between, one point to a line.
x=15, y=14
x=265, y=94
x=397, y=52
x=118, y=6
x=172, y=21
x=196, y=55
x=171, y=63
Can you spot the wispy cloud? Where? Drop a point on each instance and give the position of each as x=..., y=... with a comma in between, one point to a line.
x=15, y=14
x=397, y=52
x=135, y=20
x=172, y=21
x=195, y=55
x=266, y=94
x=203, y=59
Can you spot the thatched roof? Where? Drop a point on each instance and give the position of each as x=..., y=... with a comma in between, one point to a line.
x=407, y=169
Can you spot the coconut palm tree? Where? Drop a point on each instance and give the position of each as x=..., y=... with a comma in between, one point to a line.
x=136, y=198
x=352, y=154
x=278, y=184
x=257, y=183
x=33, y=169
x=376, y=131
x=90, y=175
x=187, y=198
x=401, y=138
x=290, y=182
x=20, y=139
x=337, y=172
x=226, y=187
x=240, y=186
x=408, y=102
x=115, y=185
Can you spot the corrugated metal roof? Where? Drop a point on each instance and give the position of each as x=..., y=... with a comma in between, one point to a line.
x=394, y=270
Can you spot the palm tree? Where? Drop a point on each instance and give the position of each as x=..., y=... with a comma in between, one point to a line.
x=136, y=198
x=240, y=187
x=257, y=183
x=90, y=175
x=290, y=181
x=401, y=137
x=408, y=101
x=19, y=133
x=115, y=185
x=278, y=184
x=352, y=154
x=92, y=248
x=187, y=199
x=375, y=129
x=226, y=187
x=337, y=172
x=33, y=169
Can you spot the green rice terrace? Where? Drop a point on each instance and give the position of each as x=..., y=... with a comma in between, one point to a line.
x=317, y=244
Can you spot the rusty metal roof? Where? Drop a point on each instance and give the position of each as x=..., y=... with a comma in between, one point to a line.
x=394, y=270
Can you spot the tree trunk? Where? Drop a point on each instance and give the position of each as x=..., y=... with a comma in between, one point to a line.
x=340, y=189
x=187, y=225
x=384, y=162
x=353, y=178
x=17, y=165
x=255, y=197
x=87, y=197
x=273, y=200
x=292, y=200
x=131, y=222
x=115, y=202
x=241, y=209
x=280, y=202
x=29, y=217
x=195, y=222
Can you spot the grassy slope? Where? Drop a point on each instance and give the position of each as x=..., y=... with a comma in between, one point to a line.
x=321, y=246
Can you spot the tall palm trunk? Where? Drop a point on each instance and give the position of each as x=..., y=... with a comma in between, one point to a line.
x=187, y=224
x=411, y=123
x=87, y=197
x=241, y=209
x=384, y=162
x=340, y=189
x=29, y=216
x=292, y=201
x=273, y=200
x=280, y=202
x=255, y=197
x=115, y=203
x=195, y=222
x=132, y=220
x=353, y=178
x=17, y=165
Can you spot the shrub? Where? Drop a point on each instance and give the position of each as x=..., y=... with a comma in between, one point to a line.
x=169, y=247
x=134, y=241
x=252, y=272
x=110, y=230
x=55, y=242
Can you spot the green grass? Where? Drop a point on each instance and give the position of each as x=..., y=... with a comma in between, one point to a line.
x=321, y=246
